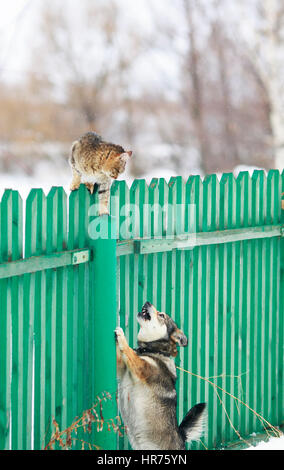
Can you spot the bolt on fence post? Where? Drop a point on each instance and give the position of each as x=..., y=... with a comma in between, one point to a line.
x=103, y=290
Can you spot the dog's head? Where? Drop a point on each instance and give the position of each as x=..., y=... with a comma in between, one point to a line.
x=157, y=326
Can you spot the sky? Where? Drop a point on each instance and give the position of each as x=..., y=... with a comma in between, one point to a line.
x=17, y=17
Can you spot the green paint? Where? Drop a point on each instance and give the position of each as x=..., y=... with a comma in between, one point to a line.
x=63, y=294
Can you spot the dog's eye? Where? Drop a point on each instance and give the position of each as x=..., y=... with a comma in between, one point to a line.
x=161, y=315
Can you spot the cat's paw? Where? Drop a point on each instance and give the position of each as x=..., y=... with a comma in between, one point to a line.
x=103, y=212
x=74, y=187
x=90, y=187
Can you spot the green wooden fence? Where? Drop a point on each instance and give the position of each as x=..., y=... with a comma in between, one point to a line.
x=210, y=253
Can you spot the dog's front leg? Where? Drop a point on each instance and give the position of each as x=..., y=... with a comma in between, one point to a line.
x=139, y=367
x=120, y=364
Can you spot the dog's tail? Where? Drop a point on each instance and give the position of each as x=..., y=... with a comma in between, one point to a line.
x=193, y=423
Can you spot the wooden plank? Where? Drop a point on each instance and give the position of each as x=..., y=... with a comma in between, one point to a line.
x=207, y=238
x=40, y=263
x=35, y=315
x=191, y=240
x=56, y=241
x=281, y=313
x=10, y=249
x=19, y=404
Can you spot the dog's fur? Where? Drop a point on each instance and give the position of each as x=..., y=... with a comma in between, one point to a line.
x=147, y=394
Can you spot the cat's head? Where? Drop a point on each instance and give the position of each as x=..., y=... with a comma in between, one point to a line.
x=119, y=163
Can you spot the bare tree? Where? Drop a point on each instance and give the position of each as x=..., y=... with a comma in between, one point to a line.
x=220, y=44
x=265, y=49
x=84, y=60
x=196, y=103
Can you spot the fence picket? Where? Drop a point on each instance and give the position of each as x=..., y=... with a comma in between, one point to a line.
x=274, y=209
x=281, y=314
x=194, y=194
x=35, y=314
x=11, y=339
x=56, y=241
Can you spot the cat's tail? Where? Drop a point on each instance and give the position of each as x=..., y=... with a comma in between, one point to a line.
x=193, y=424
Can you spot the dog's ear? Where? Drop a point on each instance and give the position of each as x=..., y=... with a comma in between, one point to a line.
x=179, y=337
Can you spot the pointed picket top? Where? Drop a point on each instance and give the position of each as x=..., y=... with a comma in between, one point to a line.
x=153, y=211
x=81, y=192
x=258, y=197
x=176, y=206
x=227, y=201
x=193, y=188
x=57, y=192
x=35, y=223
x=11, y=225
x=163, y=203
x=176, y=186
x=210, y=205
x=194, y=203
x=80, y=201
x=139, y=200
x=139, y=187
x=273, y=197
x=243, y=197
x=138, y=184
x=243, y=176
x=56, y=219
x=120, y=205
x=153, y=183
x=282, y=196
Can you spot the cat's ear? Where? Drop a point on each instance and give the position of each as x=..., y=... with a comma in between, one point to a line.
x=125, y=155
x=73, y=146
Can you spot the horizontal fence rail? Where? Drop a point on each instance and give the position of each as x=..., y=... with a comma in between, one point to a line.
x=191, y=240
x=208, y=252
x=40, y=263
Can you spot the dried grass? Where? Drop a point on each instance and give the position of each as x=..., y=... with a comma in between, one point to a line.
x=271, y=431
x=92, y=417
x=88, y=421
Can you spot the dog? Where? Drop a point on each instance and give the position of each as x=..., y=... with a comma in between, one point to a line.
x=146, y=385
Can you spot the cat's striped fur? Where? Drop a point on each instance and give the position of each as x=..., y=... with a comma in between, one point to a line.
x=94, y=161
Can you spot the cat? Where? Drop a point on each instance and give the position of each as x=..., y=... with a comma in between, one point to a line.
x=94, y=161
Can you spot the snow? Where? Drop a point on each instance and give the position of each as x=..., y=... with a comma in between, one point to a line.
x=43, y=178
x=275, y=443
x=47, y=174
x=248, y=168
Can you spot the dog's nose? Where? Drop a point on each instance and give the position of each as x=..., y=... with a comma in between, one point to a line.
x=147, y=305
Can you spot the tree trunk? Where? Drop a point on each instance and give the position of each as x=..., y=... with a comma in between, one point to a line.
x=197, y=104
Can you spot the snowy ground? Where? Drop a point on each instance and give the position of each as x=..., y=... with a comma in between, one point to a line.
x=275, y=443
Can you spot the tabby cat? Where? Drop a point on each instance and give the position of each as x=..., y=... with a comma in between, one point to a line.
x=94, y=161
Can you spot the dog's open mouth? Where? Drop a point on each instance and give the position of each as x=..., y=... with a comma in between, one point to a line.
x=144, y=313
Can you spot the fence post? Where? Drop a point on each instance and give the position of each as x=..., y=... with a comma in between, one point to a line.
x=104, y=301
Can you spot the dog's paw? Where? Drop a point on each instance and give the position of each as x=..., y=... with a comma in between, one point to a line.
x=118, y=332
x=119, y=336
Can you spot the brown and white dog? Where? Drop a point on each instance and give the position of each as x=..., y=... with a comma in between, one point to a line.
x=147, y=377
